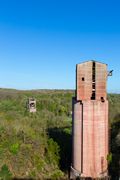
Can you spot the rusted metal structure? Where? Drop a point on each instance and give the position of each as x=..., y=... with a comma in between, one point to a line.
x=31, y=105
x=90, y=122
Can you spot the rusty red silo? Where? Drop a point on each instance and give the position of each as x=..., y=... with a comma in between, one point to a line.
x=90, y=122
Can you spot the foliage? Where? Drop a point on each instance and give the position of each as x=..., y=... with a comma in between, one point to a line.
x=26, y=147
x=5, y=174
x=14, y=148
x=109, y=158
x=38, y=145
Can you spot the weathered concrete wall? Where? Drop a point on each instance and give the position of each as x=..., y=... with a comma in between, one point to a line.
x=90, y=121
x=90, y=138
x=84, y=80
x=101, y=80
x=76, y=133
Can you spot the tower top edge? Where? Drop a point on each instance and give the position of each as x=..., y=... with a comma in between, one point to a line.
x=92, y=61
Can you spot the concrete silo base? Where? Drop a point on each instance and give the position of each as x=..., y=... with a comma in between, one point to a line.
x=90, y=139
x=75, y=175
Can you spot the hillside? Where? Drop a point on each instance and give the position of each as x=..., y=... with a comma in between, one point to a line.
x=38, y=146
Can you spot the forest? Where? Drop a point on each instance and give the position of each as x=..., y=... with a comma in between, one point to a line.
x=38, y=145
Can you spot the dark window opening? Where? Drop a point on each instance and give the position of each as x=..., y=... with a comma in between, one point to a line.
x=93, y=86
x=93, y=78
x=93, y=64
x=93, y=97
x=102, y=99
x=83, y=79
x=32, y=105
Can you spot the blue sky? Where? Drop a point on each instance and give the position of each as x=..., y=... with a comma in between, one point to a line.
x=41, y=41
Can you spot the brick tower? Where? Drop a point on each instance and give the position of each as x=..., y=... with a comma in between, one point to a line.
x=90, y=122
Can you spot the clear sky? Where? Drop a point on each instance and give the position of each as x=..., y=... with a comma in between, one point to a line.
x=41, y=41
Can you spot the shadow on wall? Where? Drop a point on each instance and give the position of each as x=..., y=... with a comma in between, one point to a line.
x=64, y=141
x=114, y=167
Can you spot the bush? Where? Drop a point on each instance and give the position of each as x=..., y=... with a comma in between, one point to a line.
x=5, y=174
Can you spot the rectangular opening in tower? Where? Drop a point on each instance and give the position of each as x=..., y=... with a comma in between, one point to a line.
x=93, y=97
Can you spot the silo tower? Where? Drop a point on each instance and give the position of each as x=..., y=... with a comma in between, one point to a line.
x=90, y=122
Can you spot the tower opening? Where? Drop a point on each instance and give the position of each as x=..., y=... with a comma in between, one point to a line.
x=83, y=79
x=93, y=97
